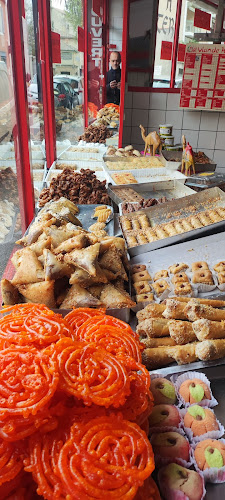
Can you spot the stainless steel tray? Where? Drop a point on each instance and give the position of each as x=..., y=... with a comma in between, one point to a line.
x=215, y=371
x=177, y=209
x=170, y=189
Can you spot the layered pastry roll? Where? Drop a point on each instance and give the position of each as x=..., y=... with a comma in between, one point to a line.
x=214, y=216
x=194, y=310
x=151, y=311
x=187, y=225
x=163, y=356
x=142, y=240
x=131, y=240
x=144, y=221
x=161, y=342
x=174, y=310
x=126, y=224
x=204, y=218
x=195, y=222
x=205, y=329
x=135, y=224
x=153, y=327
x=221, y=212
x=210, y=349
x=181, y=331
x=178, y=226
x=171, y=229
x=151, y=235
x=160, y=232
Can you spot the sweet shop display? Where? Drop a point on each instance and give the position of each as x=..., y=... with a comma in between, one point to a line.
x=134, y=163
x=96, y=134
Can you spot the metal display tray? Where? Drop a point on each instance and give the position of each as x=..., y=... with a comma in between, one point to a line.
x=209, y=248
x=170, y=189
x=215, y=371
x=178, y=209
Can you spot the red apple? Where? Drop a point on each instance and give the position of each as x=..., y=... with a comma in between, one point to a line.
x=163, y=391
x=170, y=445
x=164, y=416
x=174, y=479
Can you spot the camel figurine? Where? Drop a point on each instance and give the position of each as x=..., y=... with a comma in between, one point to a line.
x=152, y=141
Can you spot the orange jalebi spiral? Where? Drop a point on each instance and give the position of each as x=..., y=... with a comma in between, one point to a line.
x=25, y=326
x=92, y=324
x=42, y=462
x=148, y=491
x=22, y=487
x=78, y=316
x=106, y=458
x=11, y=462
x=91, y=374
x=28, y=380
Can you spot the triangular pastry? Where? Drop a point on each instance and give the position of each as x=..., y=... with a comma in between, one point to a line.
x=85, y=258
x=10, y=294
x=53, y=268
x=79, y=297
x=84, y=279
x=39, y=293
x=112, y=298
x=30, y=269
x=79, y=241
x=111, y=260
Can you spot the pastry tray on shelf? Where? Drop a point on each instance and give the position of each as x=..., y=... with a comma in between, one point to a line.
x=178, y=209
x=170, y=189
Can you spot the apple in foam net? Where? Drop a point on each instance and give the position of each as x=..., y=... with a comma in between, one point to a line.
x=163, y=391
x=171, y=445
x=164, y=416
x=175, y=480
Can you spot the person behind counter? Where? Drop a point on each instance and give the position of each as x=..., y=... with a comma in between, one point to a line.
x=113, y=79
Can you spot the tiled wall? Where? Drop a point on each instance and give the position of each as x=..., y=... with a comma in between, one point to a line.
x=116, y=23
x=204, y=130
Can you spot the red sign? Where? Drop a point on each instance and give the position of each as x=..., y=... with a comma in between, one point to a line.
x=56, y=50
x=202, y=19
x=181, y=52
x=166, y=50
x=96, y=6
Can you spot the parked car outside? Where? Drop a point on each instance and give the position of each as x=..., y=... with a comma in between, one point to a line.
x=76, y=84
x=66, y=95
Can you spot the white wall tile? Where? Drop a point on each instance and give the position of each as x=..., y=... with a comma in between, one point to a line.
x=136, y=136
x=209, y=121
x=126, y=135
x=157, y=101
x=221, y=123
x=175, y=118
x=191, y=120
x=128, y=99
x=177, y=136
x=118, y=22
x=191, y=137
x=141, y=100
x=173, y=102
x=156, y=117
x=206, y=140
x=220, y=140
x=219, y=158
x=140, y=117
x=127, y=117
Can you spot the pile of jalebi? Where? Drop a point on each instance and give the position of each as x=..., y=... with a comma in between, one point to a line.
x=74, y=407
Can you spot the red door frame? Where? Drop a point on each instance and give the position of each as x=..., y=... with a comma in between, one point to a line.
x=45, y=58
x=85, y=26
x=21, y=130
x=124, y=66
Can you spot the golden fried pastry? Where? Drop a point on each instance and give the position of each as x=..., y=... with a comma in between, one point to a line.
x=98, y=208
x=171, y=229
x=137, y=268
x=135, y=224
x=55, y=268
x=160, y=286
x=151, y=235
x=131, y=241
x=195, y=222
x=161, y=274
x=204, y=218
x=210, y=349
x=221, y=211
x=78, y=296
x=182, y=289
x=220, y=267
x=104, y=214
x=97, y=226
x=178, y=226
x=199, y=266
x=39, y=292
x=181, y=331
x=112, y=297
x=203, y=276
x=151, y=311
x=144, y=297
x=126, y=224
x=141, y=276
x=221, y=278
x=100, y=233
x=142, y=240
x=85, y=258
x=10, y=294
x=177, y=268
x=124, y=178
x=160, y=232
x=214, y=216
x=142, y=287
x=187, y=225
x=29, y=268
x=111, y=260
x=205, y=329
x=144, y=221
x=153, y=327
x=180, y=278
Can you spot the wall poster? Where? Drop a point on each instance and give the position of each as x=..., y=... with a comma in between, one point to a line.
x=203, y=85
